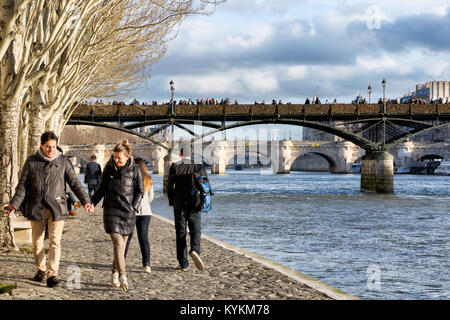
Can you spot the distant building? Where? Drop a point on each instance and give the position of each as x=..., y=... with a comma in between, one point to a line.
x=430, y=91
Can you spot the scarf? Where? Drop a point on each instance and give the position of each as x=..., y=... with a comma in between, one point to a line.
x=43, y=156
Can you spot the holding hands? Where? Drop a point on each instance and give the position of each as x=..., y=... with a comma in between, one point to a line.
x=89, y=207
x=8, y=210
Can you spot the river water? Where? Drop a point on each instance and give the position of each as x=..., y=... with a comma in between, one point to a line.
x=372, y=246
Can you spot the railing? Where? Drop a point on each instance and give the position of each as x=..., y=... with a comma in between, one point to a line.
x=261, y=110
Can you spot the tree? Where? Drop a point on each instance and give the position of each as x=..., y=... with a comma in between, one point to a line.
x=55, y=54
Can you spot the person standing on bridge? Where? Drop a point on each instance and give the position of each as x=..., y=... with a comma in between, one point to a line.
x=122, y=188
x=41, y=195
x=92, y=175
x=179, y=191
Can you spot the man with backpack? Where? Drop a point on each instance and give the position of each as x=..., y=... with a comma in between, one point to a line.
x=182, y=175
x=92, y=175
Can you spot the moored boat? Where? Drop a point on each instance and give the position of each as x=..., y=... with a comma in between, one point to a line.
x=443, y=169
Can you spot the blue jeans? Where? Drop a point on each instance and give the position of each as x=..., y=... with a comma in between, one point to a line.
x=70, y=200
x=142, y=223
x=185, y=216
x=92, y=188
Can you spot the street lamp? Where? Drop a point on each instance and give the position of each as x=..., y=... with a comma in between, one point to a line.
x=370, y=91
x=169, y=158
x=384, y=112
x=172, y=90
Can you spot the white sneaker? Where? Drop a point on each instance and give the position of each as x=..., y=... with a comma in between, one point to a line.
x=147, y=269
x=198, y=262
x=123, y=282
x=115, y=279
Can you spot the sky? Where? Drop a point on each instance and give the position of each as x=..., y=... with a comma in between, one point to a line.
x=254, y=50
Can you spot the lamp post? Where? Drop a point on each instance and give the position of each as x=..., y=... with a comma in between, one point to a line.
x=172, y=91
x=370, y=91
x=172, y=109
x=169, y=158
x=383, y=83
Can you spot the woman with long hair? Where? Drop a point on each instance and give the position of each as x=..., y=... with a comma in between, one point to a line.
x=122, y=188
x=143, y=217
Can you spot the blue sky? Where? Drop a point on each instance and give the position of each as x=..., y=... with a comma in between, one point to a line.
x=284, y=49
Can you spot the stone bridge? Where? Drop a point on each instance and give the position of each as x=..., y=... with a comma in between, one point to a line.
x=279, y=154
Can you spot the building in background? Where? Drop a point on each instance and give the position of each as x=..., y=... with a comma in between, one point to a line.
x=430, y=91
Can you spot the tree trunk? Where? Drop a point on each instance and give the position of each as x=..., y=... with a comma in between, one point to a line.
x=23, y=138
x=9, y=170
x=36, y=128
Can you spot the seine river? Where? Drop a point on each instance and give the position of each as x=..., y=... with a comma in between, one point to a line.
x=369, y=245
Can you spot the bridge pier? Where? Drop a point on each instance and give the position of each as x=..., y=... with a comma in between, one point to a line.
x=219, y=157
x=377, y=172
x=281, y=157
x=99, y=152
x=344, y=159
x=158, y=156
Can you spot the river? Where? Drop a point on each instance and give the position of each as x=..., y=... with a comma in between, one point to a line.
x=372, y=246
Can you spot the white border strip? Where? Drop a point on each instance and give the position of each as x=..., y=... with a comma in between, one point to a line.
x=320, y=286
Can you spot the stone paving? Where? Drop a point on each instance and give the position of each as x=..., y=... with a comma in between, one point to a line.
x=87, y=255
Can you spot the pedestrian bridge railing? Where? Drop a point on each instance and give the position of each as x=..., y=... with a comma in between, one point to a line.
x=283, y=110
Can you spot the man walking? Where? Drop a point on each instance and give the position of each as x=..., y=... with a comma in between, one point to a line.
x=92, y=175
x=179, y=191
x=41, y=195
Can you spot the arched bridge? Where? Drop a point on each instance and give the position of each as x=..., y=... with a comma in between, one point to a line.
x=371, y=127
x=374, y=128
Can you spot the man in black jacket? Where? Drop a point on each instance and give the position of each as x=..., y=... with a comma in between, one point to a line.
x=179, y=191
x=41, y=196
x=92, y=175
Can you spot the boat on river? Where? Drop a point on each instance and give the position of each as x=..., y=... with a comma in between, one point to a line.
x=443, y=169
x=403, y=170
x=356, y=168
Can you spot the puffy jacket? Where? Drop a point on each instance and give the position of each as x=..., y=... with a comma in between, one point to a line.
x=42, y=185
x=122, y=190
x=93, y=173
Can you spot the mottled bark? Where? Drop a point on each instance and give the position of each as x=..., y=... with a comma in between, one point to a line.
x=9, y=117
x=36, y=128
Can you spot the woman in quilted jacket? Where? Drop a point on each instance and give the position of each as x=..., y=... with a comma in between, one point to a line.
x=122, y=189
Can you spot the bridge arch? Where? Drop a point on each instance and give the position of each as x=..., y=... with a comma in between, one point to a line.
x=250, y=158
x=301, y=123
x=431, y=157
x=123, y=129
x=332, y=165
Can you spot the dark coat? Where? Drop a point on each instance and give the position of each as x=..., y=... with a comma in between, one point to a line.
x=42, y=185
x=93, y=173
x=122, y=190
x=180, y=182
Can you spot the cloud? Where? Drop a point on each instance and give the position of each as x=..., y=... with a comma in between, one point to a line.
x=287, y=54
x=429, y=31
x=255, y=6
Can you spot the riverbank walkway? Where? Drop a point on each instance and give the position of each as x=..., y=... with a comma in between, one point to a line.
x=230, y=273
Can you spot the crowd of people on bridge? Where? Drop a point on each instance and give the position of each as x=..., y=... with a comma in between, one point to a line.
x=204, y=102
x=228, y=101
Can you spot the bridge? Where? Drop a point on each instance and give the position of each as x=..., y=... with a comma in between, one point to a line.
x=375, y=129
